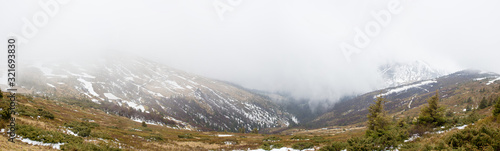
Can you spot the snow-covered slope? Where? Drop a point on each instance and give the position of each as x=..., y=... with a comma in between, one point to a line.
x=396, y=74
x=153, y=88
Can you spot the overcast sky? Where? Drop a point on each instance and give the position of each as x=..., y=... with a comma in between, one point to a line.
x=274, y=45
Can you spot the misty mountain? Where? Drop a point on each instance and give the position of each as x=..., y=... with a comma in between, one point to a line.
x=395, y=74
x=146, y=88
x=453, y=89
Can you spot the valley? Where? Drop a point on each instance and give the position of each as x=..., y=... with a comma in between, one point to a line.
x=75, y=110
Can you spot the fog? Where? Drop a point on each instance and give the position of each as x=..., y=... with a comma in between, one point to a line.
x=288, y=46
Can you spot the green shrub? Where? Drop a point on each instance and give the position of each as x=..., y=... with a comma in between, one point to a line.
x=187, y=136
x=112, y=127
x=154, y=137
x=299, y=137
x=32, y=112
x=83, y=129
x=475, y=138
x=26, y=111
x=319, y=139
x=411, y=146
x=37, y=134
x=278, y=145
x=272, y=139
x=266, y=146
x=360, y=144
x=46, y=114
x=87, y=146
x=85, y=103
x=392, y=137
x=270, y=146
x=4, y=110
x=302, y=145
x=100, y=135
x=335, y=146
x=496, y=108
x=145, y=129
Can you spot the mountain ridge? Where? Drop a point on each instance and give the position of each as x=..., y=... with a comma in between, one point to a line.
x=404, y=97
x=195, y=102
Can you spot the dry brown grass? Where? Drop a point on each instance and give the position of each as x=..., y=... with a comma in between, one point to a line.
x=34, y=122
x=199, y=145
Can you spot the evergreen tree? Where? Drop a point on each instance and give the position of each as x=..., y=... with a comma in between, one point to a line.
x=255, y=131
x=432, y=114
x=490, y=103
x=144, y=124
x=483, y=104
x=468, y=108
x=469, y=100
x=378, y=122
x=381, y=132
x=496, y=110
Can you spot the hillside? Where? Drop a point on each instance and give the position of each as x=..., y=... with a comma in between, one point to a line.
x=155, y=93
x=455, y=89
x=70, y=124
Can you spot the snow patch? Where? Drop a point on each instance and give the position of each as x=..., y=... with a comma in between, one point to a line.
x=155, y=93
x=67, y=131
x=174, y=84
x=409, y=104
x=134, y=105
x=147, y=122
x=404, y=88
x=491, y=81
x=295, y=120
x=54, y=145
x=479, y=79
x=462, y=127
x=95, y=100
x=88, y=86
x=412, y=138
x=85, y=75
x=51, y=85
x=458, y=127
x=111, y=96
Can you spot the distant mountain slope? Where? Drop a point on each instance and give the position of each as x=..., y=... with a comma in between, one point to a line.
x=453, y=89
x=396, y=74
x=393, y=74
x=152, y=88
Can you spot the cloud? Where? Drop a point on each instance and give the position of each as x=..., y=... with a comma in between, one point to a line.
x=280, y=46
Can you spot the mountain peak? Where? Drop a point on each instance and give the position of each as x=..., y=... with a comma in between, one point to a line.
x=396, y=73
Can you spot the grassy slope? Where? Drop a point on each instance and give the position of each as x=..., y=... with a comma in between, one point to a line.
x=453, y=97
x=120, y=132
